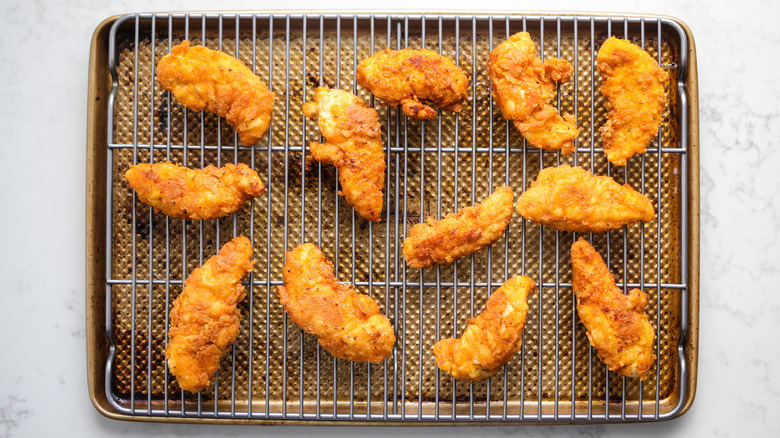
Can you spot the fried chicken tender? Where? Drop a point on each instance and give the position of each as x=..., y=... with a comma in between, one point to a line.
x=459, y=234
x=634, y=88
x=353, y=144
x=412, y=78
x=572, y=199
x=523, y=87
x=183, y=193
x=616, y=324
x=348, y=324
x=211, y=80
x=490, y=339
x=204, y=318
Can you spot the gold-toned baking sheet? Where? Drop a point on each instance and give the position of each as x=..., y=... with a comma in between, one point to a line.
x=138, y=259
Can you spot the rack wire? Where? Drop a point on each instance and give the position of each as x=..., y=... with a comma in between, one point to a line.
x=274, y=371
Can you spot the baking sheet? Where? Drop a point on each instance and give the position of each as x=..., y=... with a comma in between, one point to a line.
x=275, y=372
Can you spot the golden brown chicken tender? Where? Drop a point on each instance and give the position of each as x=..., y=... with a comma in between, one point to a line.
x=523, y=87
x=413, y=78
x=211, y=80
x=616, y=324
x=572, y=199
x=491, y=338
x=353, y=144
x=348, y=324
x=183, y=193
x=204, y=318
x=634, y=88
x=459, y=234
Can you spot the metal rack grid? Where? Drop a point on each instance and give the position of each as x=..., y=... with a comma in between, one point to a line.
x=555, y=377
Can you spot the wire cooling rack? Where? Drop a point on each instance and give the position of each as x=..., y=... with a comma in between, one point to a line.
x=274, y=371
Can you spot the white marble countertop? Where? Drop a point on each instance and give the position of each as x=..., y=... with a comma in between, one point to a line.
x=43, y=86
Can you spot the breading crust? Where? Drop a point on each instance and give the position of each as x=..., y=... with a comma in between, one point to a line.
x=634, y=88
x=523, y=86
x=348, y=324
x=211, y=80
x=195, y=194
x=459, y=234
x=354, y=145
x=491, y=338
x=412, y=79
x=572, y=199
x=617, y=325
x=205, y=317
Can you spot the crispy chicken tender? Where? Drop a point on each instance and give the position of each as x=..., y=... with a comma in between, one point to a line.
x=572, y=199
x=490, y=339
x=183, y=193
x=211, y=80
x=411, y=78
x=616, y=324
x=204, y=318
x=353, y=144
x=523, y=87
x=634, y=88
x=348, y=324
x=459, y=234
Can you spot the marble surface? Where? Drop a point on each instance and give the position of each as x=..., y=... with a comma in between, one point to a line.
x=43, y=85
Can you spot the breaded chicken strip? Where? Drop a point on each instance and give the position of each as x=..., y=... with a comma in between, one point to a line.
x=204, y=318
x=617, y=325
x=572, y=199
x=459, y=234
x=211, y=80
x=491, y=338
x=413, y=78
x=634, y=88
x=348, y=324
x=353, y=144
x=523, y=87
x=184, y=193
